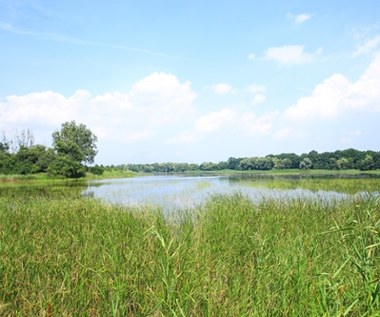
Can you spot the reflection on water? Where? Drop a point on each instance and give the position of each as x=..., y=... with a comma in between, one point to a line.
x=176, y=192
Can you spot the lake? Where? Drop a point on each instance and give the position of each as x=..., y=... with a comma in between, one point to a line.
x=184, y=192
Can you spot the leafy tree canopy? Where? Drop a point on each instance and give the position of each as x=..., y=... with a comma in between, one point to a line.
x=76, y=142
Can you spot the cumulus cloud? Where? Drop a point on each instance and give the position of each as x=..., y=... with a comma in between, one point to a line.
x=337, y=96
x=227, y=122
x=323, y=102
x=222, y=88
x=290, y=55
x=153, y=106
x=47, y=106
x=211, y=122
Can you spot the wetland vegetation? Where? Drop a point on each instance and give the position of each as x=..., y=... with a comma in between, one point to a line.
x=62, y=253
x=283, y=235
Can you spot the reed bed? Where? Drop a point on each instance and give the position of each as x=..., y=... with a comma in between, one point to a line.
x=75, y=256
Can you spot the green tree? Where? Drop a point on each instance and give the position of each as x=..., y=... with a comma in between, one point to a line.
x=233, y=163
x=4, y=147
x=306, y=163
x=7, y=163
x=376, y=160
x=96, y=170
x=286, y=163
x=63, y=165
x=208, y=166
x=367, y=163
x=343, y=163
x=294, y=159
x=76, y=142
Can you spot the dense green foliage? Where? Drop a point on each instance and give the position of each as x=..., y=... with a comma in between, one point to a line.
x=73, y=146
x=72, y=256
x=75, y=142
x=338, y=160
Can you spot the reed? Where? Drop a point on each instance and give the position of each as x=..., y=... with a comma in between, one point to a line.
x=75, y=256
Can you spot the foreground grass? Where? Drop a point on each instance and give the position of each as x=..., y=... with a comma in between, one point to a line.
x=78, y=257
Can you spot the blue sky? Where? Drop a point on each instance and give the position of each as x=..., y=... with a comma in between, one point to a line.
x=193, y=81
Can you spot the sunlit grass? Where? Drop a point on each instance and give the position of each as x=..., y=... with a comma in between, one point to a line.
x=231, y=257
x=340, y=185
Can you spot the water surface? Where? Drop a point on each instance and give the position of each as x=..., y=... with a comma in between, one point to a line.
x=183, y=192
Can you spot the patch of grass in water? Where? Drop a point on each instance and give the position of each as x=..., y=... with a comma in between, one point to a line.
x=340, y=185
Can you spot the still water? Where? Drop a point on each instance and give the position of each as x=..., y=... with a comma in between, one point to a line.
x=182, y=192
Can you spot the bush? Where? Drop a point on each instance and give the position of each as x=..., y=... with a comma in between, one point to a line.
x=67, y=167
x=96, y=170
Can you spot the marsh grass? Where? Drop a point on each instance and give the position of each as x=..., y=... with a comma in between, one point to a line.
x=340, y=185
x=62, y=256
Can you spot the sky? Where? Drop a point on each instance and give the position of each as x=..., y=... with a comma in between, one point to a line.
x=193, y=81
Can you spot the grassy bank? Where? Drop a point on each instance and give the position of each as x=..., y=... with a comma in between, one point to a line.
x=45, y=178
x=78, y=257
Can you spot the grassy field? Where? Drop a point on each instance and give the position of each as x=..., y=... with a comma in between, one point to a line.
x=65, y=255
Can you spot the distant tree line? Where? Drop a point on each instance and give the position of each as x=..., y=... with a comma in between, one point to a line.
x=74, y=146
x=338, y=160
x=74, y=149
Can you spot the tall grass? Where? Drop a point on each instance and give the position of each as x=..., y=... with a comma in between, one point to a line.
x=62, y=256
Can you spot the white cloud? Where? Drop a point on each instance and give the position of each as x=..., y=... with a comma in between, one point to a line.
x=48, y=106
x=252, y=56
x=256, y=89
x=153, y=106
x=213, y=121
x=337, y=96
x=258, y=99
x=227, y=122
x=299, y=18
x=222, y=89
x=290, y=55
x=368, y=47
x=159, y=88
x=258, y=125
x=364, y=94
x=323, y=102
x=258, y=92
